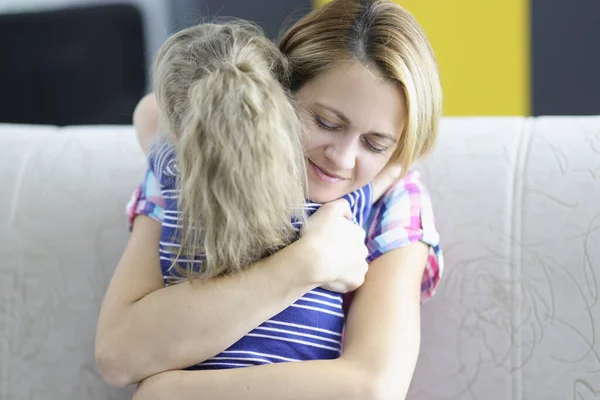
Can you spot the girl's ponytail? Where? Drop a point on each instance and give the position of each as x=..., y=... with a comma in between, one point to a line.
x=239, y=147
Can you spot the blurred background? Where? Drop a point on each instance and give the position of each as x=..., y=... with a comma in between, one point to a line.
x=67, y=62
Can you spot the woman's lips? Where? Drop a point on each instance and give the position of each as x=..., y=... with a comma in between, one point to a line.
x=324, y=176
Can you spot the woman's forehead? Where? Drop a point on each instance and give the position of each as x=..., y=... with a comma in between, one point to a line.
x=360, y=95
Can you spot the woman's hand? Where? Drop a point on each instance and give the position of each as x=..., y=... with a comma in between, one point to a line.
x=337, y=247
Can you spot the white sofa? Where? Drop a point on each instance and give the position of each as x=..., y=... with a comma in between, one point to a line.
x=517, y=203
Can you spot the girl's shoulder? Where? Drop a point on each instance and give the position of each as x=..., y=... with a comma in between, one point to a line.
x=162, y=161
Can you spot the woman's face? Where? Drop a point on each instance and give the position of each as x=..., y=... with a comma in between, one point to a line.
x=353, y=120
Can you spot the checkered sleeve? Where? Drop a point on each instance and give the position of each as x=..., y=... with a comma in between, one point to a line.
x=146, y=200
x=404, y=215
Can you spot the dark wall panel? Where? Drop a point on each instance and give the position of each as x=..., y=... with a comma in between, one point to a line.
x=565, y=57
x=271, y=15
x=72, y=66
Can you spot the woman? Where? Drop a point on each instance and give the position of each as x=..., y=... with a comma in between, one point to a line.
x=367, y=91
x=230, y=161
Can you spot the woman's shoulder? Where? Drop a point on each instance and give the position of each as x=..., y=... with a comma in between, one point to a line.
x=403, y=215
x=410, y=183
x=408, y=196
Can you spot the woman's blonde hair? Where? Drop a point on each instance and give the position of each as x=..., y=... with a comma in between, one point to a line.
x=238, y=140
x=375, y=33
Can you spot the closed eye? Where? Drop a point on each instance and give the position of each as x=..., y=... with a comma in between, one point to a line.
x=374, y=147
x=323, y=123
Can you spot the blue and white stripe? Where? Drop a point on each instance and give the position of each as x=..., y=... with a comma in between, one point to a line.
x=309, y=329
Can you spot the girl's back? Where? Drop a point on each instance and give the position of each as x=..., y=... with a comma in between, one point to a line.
x=309, y=329
x=233, y=130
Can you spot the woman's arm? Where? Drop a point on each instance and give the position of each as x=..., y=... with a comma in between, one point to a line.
x=382, y=345
x=145, y=328
x=141, y=320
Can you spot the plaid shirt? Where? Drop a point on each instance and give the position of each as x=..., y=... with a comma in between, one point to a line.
x=403, y=215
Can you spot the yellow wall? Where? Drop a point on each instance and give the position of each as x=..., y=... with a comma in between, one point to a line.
x=483, y=52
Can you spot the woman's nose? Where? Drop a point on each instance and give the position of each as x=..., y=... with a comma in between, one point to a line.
x=342, y=154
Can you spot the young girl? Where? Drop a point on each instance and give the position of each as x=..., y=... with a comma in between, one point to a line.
x=231, y=174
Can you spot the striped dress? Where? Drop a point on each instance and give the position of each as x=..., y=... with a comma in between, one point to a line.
x=309, y=329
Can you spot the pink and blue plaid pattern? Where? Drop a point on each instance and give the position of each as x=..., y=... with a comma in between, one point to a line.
x=147, y=200
x=403, y=215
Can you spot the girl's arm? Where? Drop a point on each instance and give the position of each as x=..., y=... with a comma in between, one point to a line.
x=145, y=121
x=384, y=180
x=381, y=349
x=145, y=328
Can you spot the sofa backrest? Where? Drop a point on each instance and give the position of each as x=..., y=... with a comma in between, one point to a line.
x=517, y=204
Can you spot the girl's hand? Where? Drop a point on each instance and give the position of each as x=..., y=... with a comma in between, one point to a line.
x=386, y=178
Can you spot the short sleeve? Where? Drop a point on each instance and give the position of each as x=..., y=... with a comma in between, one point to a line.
x=404, y=215
x=146, y=200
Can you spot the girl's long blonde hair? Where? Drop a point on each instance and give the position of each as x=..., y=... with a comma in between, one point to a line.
x=379, y=33
x=238, y=140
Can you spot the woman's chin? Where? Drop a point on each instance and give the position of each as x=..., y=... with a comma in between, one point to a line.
x=321, y=199
x=322, y=192
x=320, y=195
